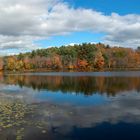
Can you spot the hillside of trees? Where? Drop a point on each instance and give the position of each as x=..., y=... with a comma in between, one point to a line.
x=84, y=57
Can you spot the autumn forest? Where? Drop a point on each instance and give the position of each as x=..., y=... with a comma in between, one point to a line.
x=84, y=57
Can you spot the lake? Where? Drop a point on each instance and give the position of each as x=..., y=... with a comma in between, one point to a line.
x=70, y=106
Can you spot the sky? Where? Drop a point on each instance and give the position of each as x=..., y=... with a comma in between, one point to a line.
x=34, y=24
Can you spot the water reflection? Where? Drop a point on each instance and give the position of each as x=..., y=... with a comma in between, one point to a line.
x=115, y=115
x=86, y=85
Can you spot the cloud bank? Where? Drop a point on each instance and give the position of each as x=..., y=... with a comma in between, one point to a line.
x=24, y=22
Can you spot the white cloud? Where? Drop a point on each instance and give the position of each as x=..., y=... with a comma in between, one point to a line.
x=23, y=22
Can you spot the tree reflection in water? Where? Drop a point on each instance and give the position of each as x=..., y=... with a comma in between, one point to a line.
x=86, y=85
x=22, y=120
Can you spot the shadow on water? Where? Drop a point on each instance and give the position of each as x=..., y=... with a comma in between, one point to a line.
x=107, y=131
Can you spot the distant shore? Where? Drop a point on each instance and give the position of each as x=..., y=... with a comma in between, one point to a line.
x=66, y=70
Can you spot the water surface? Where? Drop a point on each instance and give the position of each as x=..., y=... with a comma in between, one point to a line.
x=70, y=106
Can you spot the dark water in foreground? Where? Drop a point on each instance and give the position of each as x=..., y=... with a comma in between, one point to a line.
x=70, y=106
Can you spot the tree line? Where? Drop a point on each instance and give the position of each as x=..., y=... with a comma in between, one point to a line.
x=82, y=57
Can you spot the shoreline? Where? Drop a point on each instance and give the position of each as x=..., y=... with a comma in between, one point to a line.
x=46, y=70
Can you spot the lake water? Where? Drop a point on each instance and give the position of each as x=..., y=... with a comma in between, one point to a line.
x=70, y=106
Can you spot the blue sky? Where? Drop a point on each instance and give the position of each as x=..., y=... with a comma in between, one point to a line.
x=121, y=7
x=72, y=38
x=108, y=6
x=45, y=23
